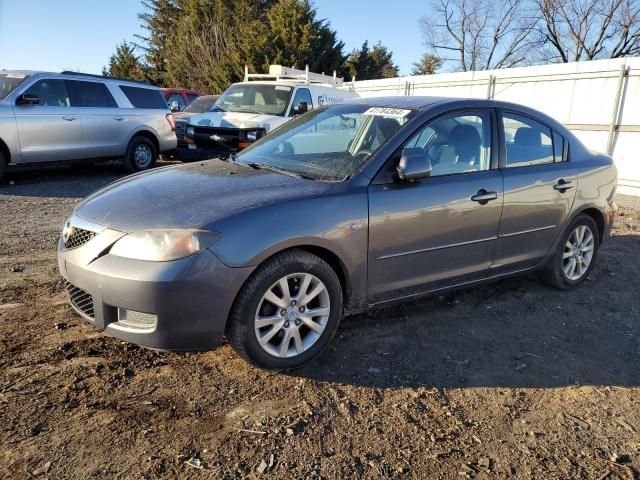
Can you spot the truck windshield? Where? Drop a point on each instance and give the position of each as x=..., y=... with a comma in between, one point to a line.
x=9, y=82
x=255, y=98
x=329, y=143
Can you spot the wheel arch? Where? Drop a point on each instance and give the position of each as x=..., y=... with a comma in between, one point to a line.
x=149, y=135
x=6, y=153
x=334, y=261
x=597, y=217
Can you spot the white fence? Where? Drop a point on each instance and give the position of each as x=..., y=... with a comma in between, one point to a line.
x=599, y=101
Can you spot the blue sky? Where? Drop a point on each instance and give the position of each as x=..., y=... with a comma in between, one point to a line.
x=82, y=34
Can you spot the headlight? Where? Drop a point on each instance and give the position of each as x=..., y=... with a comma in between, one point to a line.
x=191, y=131
x=252, y=136
x=163, y=245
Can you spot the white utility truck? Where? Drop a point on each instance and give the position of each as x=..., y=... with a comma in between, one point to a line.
x=248, y=110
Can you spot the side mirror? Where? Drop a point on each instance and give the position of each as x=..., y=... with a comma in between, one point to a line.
x=28, y=99
x=175, y=106
x=414, y=165
x=347, y=123
x=302, y=107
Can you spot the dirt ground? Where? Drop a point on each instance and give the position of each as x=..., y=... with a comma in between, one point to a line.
x=510, y=380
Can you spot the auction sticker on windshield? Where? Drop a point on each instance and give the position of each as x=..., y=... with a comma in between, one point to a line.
x=387, y=112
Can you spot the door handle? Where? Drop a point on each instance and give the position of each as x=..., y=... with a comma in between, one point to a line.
x=563, y=185
x=69, y=118
x=483, y=196
x=119, y=119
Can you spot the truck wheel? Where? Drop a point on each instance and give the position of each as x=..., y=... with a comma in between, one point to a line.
x=287, y=312
x=575, y=254
x=141, y=155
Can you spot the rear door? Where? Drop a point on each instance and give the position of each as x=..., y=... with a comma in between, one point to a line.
x=540, y=184
x=104, y=129
x=441, y=230
x=52, y=129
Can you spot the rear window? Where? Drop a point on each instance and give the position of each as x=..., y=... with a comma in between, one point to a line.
x=144, y=97
x=90, y=94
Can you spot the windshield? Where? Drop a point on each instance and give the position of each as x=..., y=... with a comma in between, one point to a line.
x=201, y=104
x=255, y=98
x=9, y=82
x=327, y=143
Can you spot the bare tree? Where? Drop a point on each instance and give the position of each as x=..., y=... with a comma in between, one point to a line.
x=590, y=29
x=481, y=34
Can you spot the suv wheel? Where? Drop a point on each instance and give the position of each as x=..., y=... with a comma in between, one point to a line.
x=575, y=254
x=287, y=312
x=141, y=155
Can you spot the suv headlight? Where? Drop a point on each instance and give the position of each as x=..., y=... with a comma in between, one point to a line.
x=163, y=245
x=190, y=131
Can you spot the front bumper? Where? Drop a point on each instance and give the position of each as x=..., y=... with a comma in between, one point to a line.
x=188, y=299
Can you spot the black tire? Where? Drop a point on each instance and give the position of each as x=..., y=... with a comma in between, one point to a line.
x=3, y=167
x=132, y=162
x=240, y=329
x=554, y=272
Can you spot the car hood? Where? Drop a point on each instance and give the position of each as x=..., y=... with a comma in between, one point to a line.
x=233, y=120
x=194, y=195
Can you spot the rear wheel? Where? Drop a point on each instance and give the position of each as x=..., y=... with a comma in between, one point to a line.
x=287, y=312
x=141, y=155
x=575, y=255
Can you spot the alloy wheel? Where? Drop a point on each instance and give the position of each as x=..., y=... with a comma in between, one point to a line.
x=578, y=252
x=292, y=315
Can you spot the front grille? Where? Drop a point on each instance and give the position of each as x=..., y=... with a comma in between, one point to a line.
x=181, y=128
x=78, y=237
x=80, y=299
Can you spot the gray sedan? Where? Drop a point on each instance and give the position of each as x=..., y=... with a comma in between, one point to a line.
x=344, y=208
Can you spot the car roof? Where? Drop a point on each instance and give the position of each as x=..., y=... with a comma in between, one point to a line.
x=79, y=76
x=414, y=102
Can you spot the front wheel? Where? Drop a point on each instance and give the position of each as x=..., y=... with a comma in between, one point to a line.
x=287, y=312
x=575, y=255
x=141, y=155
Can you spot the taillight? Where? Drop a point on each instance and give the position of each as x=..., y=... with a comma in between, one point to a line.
x=172, y=121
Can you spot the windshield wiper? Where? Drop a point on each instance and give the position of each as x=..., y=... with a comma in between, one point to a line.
x=260, y=166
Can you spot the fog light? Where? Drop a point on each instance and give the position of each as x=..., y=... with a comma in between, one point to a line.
x=138, y=320
x=190, y=131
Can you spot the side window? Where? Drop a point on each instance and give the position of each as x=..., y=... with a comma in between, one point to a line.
x=458, y=143
x=51, y=93
x=302, y=95
x=90, y=94
x=144, y=97
x=558, y=147
x=176, y=97
x=527, y=142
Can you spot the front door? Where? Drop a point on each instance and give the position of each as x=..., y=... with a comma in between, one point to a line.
x=539, y=187
x=51, y=130
x=441, y=230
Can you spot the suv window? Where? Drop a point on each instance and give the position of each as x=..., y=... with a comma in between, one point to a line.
x=144, y=97
x=302, y=95
x=176, y=97
x=50, y=92
x=527, y=142
x=90, y=94
x=458, y=143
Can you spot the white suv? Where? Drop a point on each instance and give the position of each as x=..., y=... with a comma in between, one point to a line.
x=53, y=117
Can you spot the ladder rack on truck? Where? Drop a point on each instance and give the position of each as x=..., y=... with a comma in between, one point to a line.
x=278, y=72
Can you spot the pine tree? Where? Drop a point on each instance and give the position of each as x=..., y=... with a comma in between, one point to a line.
x=368, y=64
x=427, y=65
x=124, y=63
x=158, y=20
x=295, y=37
